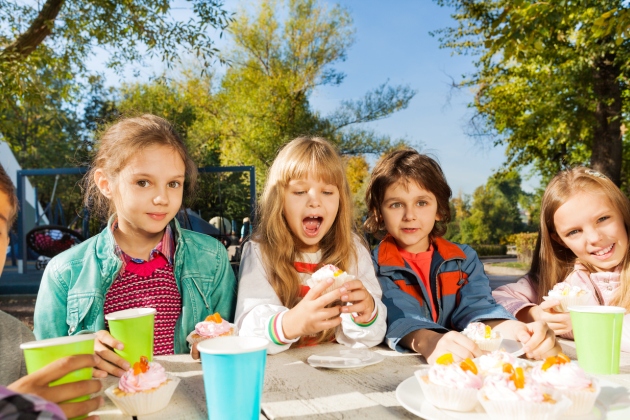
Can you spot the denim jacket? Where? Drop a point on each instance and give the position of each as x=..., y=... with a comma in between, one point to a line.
x=73, y=288
x=459, y=285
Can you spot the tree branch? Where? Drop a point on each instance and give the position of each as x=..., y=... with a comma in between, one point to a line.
x=41, y=27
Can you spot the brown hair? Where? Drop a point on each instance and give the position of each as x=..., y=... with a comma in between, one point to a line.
x=556, y=260
x=298, y=159
x=407, y=165
x=6, y=186
x=123, y=140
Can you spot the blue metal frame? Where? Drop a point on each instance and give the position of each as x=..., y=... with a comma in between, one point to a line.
x=21, y=193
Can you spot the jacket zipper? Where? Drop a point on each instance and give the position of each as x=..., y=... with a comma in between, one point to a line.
x=202, y=296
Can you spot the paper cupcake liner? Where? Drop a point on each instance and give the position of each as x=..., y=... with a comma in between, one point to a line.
x=524, y=410
x=583, y=399
x=490, y=344
x=194, y=340
x=567, y=301
x=144, y=402
x=445, y=397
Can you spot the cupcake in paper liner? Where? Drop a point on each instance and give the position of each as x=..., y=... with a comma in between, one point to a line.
x=483, y=335
x=145, y=388
x=329, y=271
x=212, y=327
x=567, y=295
x=449, y=385
x=570, y=380
x=512, y=395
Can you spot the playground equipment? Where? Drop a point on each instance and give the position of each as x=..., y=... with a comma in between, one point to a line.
x=51, y=240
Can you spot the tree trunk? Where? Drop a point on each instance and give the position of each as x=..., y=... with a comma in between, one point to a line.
x=607, y=140
x=40, y=28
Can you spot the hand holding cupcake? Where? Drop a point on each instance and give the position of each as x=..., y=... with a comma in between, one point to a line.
x=329, y=271
x=483, y=335
x=567, y=295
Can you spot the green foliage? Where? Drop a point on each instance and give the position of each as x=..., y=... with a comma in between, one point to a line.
x=550, y=81
x=489, y=250
x=525, y=244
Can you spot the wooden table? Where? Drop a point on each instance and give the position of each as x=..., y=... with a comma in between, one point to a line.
x=295, y=389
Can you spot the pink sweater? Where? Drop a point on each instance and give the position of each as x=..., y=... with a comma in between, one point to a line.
x=602, y=285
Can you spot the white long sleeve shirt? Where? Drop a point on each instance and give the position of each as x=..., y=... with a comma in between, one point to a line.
x=259, y=311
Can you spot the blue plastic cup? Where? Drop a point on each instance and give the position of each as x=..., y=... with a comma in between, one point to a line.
x=233, y=376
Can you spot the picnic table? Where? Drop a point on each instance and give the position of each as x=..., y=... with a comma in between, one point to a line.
x=294, y=389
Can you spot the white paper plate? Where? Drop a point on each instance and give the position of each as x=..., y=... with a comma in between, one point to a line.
x=613, y=403
x=512, y=346
x=345, y=359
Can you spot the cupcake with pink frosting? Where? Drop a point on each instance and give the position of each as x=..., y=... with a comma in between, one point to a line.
x=450, y=385
x=329, y=271
x=493, y=362
x=570, y=380
x=483, y=335
x=145, y=388
x=512, y=395
x=567, y=295
x=212, y=327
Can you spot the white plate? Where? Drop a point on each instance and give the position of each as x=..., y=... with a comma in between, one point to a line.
x=345, y=359
x=512, y=346
x=613, y=403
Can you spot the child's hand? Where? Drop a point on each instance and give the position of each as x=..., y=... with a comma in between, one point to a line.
x=38, y=383
x=362, y=301
x=109, y=361
x=311, y=315
x=559, y=322
x=432, y=344
x=539, y=341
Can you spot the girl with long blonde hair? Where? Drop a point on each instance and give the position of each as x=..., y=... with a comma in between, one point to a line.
x=584, y=224
x=305, y=221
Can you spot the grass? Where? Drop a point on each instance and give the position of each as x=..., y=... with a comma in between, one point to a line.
x=515, y=264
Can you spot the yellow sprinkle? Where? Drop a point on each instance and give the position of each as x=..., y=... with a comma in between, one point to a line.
x=488, y=331
x=338, y=273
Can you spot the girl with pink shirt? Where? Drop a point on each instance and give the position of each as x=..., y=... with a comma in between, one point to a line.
x=583, y=241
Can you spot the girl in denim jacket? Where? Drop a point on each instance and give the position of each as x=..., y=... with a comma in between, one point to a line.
x=142, y=258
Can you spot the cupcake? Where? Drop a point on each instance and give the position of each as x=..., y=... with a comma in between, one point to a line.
x=492, y=363
x=483, y=336
x=212, y=327
x=450, y=385
x=143, y=389
x=327, y=272
x=570, y=380
x=511, y=395
x=568, y=295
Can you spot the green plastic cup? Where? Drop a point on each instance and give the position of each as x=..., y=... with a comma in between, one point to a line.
x=39, y=354
x=597, y=333
x=134, y=328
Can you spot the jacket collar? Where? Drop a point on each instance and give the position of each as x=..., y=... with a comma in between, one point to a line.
x=388, y=254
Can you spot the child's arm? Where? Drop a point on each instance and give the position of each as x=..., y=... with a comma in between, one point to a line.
x=260, y=313
x=539, y=341
x=433, y=344
x=517, y=298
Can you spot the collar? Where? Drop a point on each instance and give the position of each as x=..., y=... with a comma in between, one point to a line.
x=388, y=254
x=166, y=247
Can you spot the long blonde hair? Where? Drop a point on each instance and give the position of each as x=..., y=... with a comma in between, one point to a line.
x=556, y=260
x=298, y=159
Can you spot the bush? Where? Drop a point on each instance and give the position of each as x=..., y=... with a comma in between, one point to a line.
x=486, y=250
x=525, y=244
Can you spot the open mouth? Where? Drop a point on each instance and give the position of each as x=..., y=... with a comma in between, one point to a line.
x=604, y=253
x=311, y=225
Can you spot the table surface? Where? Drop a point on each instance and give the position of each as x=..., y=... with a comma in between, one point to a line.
x=295, y=389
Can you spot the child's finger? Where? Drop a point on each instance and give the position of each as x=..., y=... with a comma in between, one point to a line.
x=329, y=323
x=106, y=338
x=71, y=390
x=354, y=296
x=548, y=305
x=111, y=363
x=467, y=344
x=63, y=366
x=353, y=285
x=315, y=292
x=76, y=409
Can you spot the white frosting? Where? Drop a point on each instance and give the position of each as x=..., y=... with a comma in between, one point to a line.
x=476, y=331
x=493, y=361
x=453, y=376
x=329, y=271
x=564, y=289
x=499, y=387
x=562, y=376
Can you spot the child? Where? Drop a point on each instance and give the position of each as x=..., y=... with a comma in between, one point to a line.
x=432, y=288
x=142, y=258
x=305, y=222
x=14, y=399
x=584, y=222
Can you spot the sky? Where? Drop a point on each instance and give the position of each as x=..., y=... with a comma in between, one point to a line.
x=393, y=43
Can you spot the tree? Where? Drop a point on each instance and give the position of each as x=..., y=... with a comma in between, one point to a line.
x=494, y=212
x=550, y=79
x=263, y=99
